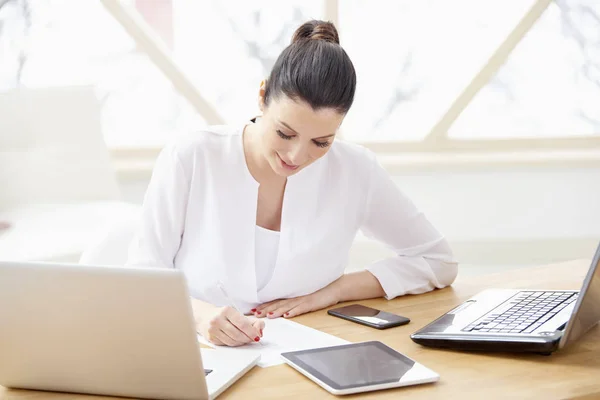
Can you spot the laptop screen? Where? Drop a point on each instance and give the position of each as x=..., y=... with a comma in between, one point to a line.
x=587, y=309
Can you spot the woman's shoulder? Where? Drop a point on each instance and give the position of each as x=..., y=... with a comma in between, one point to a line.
x=211, y=140
x=348, y=154
x=351, y=162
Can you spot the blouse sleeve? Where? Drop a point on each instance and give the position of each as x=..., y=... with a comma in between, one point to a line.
x=423, y=259
x=161, y=225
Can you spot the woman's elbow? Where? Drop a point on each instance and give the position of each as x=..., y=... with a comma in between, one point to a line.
x=445, y=267
x=446, y=273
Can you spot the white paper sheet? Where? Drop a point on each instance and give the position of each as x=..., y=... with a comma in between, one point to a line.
x=281, y=335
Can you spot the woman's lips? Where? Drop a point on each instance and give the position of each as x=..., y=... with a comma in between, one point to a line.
x=285, y=165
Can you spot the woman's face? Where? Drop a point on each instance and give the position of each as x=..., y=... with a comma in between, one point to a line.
x=294, y=135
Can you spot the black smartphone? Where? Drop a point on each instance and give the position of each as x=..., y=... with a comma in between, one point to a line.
x=369, y=316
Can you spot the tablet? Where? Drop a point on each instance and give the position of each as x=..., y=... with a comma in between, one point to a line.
x=358, y=367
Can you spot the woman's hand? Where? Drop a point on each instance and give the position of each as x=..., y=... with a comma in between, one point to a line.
x=298, y=305
x=225, y=326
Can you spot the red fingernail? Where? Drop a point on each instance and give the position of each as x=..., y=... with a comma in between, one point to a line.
x=256, y=339
x=270, y=313
x=253, y=310
x=258, y=312
x=287, y=314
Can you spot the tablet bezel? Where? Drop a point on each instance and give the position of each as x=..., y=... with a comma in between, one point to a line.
x=292, y=359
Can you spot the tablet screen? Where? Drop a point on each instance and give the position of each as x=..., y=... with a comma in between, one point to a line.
x=353, y=365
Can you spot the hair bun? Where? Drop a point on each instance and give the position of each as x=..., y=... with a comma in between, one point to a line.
x=317, y=30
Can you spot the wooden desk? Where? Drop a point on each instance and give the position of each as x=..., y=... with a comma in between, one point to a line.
x=571, y=373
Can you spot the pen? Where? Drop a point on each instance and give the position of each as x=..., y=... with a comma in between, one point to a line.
x=229, y=300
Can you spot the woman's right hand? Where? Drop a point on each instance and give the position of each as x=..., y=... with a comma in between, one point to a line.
x=225, y=326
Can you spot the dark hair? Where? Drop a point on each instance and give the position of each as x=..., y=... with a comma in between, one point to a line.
x=314, y=68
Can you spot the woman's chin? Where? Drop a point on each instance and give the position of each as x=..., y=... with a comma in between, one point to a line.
x=285, y=173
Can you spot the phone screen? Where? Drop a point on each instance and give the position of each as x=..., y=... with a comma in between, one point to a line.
x=370, y=315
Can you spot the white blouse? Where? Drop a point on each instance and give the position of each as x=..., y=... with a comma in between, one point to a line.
x=267, y=245
x=199, y=215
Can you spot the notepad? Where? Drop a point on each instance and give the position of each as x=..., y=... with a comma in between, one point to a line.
x=281, y=335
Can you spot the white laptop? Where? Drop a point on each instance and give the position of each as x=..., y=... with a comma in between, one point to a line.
x=110, y=331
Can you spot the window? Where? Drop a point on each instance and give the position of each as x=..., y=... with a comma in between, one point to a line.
x=432, y=75
x=226, y=48
x=413, y=58
x=550, y=84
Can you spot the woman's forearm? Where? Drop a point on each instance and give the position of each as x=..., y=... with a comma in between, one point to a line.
x=357, y=286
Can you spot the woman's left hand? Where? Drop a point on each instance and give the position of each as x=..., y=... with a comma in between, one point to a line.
x=298, y=305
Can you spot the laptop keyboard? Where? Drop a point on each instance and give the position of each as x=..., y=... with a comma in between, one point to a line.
x=528, y=311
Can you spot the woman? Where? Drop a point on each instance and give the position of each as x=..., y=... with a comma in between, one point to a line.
x=261, y=217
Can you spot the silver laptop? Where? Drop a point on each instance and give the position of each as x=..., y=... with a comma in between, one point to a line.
x=518, y=320
x=111, y=331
